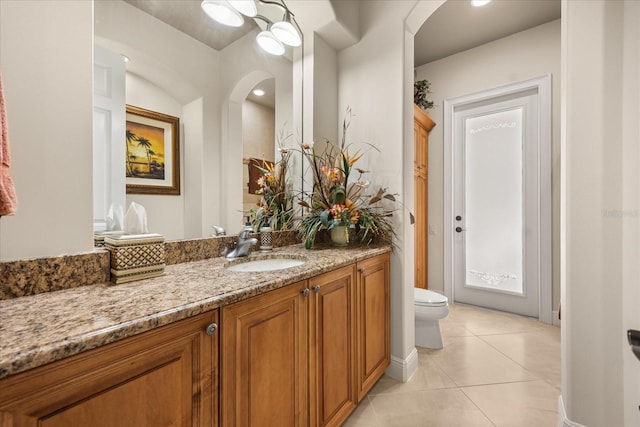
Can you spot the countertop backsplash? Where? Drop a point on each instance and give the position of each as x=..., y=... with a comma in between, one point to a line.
x=34, y=276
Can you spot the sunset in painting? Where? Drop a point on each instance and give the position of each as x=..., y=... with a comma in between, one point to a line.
x=145, y=151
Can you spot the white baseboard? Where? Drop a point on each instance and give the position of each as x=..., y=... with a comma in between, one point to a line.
x=555, y=321
x=402, y=369
x=563, y=421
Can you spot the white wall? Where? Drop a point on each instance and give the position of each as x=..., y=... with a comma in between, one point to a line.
x=529, y=54
x=371, y=82
x=258, y=142
x=49, y=94
x=325, y=90
x=165, y=214
x=631, y=197
x=238, y=76
x=600, y=258
x=168, y=71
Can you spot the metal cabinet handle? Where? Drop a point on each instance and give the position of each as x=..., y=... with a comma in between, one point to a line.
x=361, y=270
x=459, y=229
x=211, y=329
x=316, y=288
x=305, y=292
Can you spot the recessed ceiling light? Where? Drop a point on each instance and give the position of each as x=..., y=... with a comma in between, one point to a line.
x=126, y=58
x=478, y=3
x=258, y=92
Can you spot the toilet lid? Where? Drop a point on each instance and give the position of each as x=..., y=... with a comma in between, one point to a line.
x=428, y=298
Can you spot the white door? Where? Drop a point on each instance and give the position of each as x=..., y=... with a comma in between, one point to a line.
x=499, y=259
x=108, y=136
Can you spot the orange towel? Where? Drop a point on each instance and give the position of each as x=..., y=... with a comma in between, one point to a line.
x=8, y=201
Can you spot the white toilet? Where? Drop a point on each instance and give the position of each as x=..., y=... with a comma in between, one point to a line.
x=430, y=307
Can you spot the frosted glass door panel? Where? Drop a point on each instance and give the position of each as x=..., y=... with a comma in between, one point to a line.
x=493, y=181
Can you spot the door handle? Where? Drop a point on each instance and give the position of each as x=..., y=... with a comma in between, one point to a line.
x=633, y=337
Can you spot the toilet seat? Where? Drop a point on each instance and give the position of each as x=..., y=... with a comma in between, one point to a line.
x=426, y=298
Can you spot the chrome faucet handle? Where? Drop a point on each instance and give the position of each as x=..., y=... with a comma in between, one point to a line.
x=219, y=231
x=244, y=233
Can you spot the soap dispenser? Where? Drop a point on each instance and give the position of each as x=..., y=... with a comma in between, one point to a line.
x=247, y=225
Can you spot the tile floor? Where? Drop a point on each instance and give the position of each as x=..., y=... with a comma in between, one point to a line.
x=496, y=369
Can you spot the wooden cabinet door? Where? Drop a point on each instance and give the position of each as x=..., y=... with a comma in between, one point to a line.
x=422, y=125
x=373, y=303
x=264, y=355
x=164, y=377
x=332, y=350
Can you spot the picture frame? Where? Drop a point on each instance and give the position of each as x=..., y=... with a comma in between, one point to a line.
x=152, y=152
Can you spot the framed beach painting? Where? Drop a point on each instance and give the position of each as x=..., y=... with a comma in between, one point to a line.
x=153, y=152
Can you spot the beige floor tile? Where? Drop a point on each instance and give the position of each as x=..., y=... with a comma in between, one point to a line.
x=508, y=367
x=538, y=352
x=520, y=404
x=428, y=377
x=471, y=361
x=420, y=402
x=450, y=329
x=481, y=321
x=363, y=416
x=445, y=418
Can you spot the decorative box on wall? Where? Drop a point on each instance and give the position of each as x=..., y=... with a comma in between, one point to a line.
x=135, y=257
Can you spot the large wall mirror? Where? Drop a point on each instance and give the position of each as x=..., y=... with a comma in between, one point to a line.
x=181, y=63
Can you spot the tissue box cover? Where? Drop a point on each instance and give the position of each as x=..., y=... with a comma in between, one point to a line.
x=135, y=257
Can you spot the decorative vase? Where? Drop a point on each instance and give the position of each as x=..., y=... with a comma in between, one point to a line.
x=340, y=235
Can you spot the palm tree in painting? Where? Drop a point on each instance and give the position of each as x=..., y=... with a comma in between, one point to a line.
x=131, y=158
x=131, y=138
x=152, y=163
x=146, y=145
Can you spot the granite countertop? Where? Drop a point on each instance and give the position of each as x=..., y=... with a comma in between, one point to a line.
x=43, y=328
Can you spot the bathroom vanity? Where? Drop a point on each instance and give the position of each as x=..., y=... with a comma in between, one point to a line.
x=202, y=346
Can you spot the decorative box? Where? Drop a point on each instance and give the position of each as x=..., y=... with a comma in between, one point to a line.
x=135, y=257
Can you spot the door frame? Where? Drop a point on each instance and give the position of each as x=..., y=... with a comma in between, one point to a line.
x=543, y=86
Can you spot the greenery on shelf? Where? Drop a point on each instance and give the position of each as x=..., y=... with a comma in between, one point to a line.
x=421, y=89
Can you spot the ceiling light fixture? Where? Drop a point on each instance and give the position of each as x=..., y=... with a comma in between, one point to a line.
x=258, y=92
x=269, y=42
x=221, y=11
x=479, y=3
x=273, y=38
x=245, y=7
x=286, y=32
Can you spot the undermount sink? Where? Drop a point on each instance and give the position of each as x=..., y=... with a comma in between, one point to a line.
x=270, y=264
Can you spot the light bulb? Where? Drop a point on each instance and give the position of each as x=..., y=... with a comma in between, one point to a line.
x=270, y=43
x=258, y=92
x=286, y=33
x=245, y=7
x=222, y=12
x=478, y=3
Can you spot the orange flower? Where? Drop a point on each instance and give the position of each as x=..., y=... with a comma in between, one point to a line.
x=336, y=211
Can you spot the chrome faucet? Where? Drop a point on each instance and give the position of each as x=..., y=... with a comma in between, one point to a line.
x=244, y=243
x=218, y=231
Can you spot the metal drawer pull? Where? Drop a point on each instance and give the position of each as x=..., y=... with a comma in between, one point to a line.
x=305, y=292
x=211, y=329
x=316, y=288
